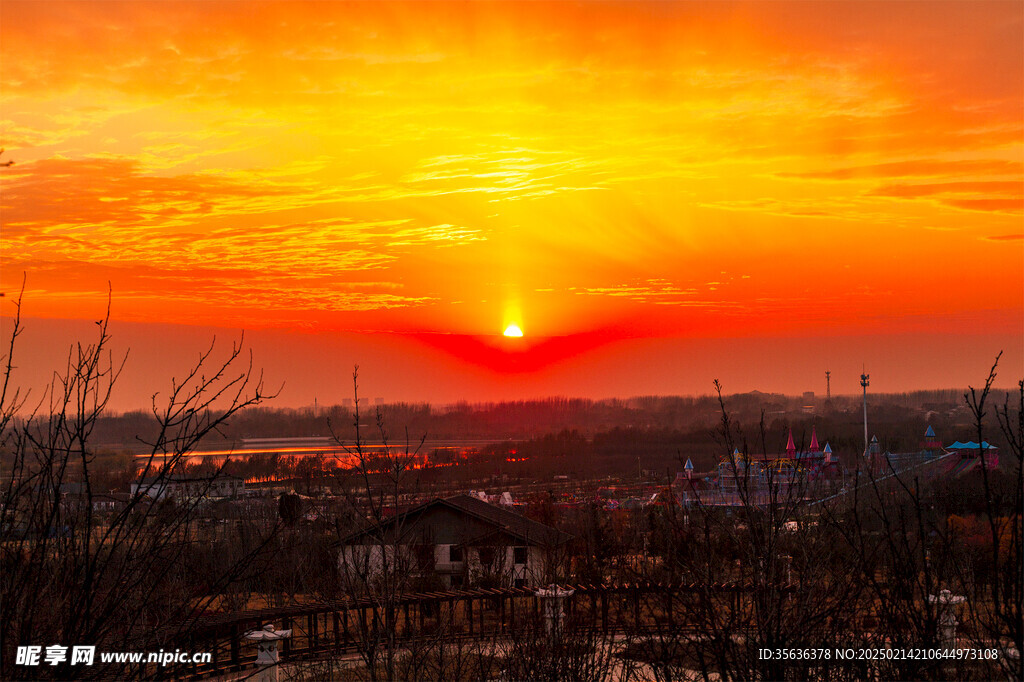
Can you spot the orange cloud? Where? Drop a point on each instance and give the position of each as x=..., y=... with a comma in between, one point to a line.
x=423, y=167
x=917, y=168
x=1010, y=194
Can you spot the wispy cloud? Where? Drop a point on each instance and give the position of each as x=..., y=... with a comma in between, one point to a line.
x=374, y=156
x=915, y=168
x=989, y=195
x=662, y=292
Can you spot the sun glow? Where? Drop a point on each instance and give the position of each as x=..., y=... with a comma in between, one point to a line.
x=513, y=330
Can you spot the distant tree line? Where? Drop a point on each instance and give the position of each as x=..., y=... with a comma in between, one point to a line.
x=895, y=418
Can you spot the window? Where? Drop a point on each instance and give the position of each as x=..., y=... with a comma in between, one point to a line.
x=519, y=556
x=423, y=555
x=454, y=554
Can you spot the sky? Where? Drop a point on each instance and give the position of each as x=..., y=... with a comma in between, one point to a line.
x=657, y=193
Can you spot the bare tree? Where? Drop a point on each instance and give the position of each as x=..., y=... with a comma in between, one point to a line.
x=123, y=581
x=573, y=653
x=380, y=568
x=997, y=607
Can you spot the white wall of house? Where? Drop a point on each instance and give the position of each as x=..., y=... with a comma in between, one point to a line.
x=532, y=571
x=366, y=562
x=444, y=561
x=518, y=563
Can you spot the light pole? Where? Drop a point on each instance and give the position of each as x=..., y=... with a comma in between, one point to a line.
x=864, y=384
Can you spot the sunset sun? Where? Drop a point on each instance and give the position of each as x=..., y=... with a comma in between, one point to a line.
x=513, y=330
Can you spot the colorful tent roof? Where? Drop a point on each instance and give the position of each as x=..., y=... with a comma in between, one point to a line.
x=969, y=445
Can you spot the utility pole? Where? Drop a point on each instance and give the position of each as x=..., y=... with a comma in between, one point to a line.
x=864, y=384
x=828, y=385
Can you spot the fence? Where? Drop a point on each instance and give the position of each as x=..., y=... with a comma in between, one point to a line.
x=347, y=626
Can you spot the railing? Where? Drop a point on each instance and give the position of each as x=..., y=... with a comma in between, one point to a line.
x=350, y=625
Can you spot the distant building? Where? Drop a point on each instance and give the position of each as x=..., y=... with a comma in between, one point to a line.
x=987, y=455
x=457, y=539
x=956, y=459
x=503, y=499
x=758, y=479
x=110, y=502
x=189, y=486
x=816, y=473
x=76, y=496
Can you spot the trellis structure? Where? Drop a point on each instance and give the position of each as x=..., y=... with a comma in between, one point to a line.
x=345, y=626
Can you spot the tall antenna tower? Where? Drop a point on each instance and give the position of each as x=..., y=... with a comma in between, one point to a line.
x=828, y=385
x=864, y=384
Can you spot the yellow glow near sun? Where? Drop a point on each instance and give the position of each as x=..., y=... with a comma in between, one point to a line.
x=512, y=314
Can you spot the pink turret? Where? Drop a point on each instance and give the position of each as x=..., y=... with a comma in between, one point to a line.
x=814, y=441
x=790, y=448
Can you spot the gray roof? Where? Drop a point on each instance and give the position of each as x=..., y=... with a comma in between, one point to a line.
x=494, y=518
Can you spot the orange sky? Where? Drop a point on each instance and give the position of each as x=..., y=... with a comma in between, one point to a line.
x=603, y=174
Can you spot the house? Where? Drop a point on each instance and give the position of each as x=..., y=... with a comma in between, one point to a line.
x=461, y=539
x=189, y=486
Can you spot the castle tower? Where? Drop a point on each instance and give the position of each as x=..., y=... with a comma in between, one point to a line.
x=790, y=447
x=931, y=441
x=814, y=442
x=875, y=459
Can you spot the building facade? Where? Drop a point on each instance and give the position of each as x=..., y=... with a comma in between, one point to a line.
x=461, y=540
x=189, y=486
